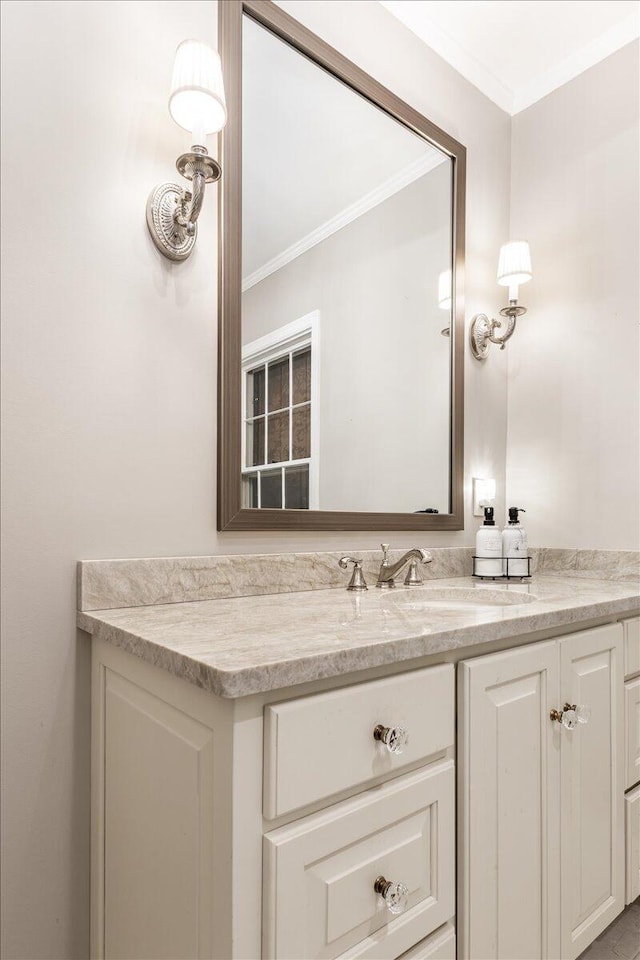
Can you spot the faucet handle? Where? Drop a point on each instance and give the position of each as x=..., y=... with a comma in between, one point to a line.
x=357, y=581
x=385, y=554
x=413, y=578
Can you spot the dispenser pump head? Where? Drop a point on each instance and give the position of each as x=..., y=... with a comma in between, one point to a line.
x=513, y=514
x=488, y=517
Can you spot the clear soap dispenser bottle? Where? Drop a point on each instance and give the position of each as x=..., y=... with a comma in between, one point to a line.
x=515, y=548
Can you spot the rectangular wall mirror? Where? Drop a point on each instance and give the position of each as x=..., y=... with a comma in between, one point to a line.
x=342, y=253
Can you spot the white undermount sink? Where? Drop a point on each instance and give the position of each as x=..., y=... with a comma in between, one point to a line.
x=458, y=598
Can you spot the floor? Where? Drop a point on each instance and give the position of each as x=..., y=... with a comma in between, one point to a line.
x=620, y=941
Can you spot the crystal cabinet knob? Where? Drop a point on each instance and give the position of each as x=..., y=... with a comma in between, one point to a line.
x=395, y=895
x=571, y=715
x=395, y=739
x=583, y=713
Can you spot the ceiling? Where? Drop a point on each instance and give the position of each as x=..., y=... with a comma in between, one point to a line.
x=518, y=51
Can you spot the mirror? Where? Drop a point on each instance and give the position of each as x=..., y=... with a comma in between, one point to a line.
x=340, y=348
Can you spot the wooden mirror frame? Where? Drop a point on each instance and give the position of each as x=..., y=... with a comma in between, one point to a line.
x=231, y=514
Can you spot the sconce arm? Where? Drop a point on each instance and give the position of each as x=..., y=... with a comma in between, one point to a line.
x=190, y=204
x=201, y=169
x=483, y=330
x=497, y=325
x=172, y=212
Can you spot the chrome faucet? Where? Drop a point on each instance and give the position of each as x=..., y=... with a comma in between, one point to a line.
x=389, y=571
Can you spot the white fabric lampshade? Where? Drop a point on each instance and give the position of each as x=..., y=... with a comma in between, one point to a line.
x=444, y=290
x=196, y=100
x=514, y=264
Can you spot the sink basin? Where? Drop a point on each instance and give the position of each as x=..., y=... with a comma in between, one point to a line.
x=458, y=598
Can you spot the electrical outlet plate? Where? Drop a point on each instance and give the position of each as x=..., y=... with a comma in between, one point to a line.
x=484, y=494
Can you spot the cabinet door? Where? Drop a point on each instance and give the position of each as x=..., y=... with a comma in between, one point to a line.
x=632, y=842
x=592, y=785
x=509, y=806
x=158, y=798
x=632, y=732
x=631, y=647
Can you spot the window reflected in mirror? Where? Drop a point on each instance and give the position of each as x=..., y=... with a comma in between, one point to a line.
x=279, y=395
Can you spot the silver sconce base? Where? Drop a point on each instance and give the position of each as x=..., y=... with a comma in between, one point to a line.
x=479, y=336
x=170, y=237
x=172, y=212
x=482, y=330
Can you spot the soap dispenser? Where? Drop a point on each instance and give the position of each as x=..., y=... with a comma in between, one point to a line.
x=515, y=548
x=488, y=547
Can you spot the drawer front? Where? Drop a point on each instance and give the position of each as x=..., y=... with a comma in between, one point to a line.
x=441, y=945
x=632, y=830
x=320, y=745
x=319, y=873
x=632, y=732
x=631, y=647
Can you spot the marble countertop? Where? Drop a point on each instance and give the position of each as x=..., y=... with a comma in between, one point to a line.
x=247, y=645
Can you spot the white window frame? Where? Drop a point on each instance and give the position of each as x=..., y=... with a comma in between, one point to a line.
x=286, y=340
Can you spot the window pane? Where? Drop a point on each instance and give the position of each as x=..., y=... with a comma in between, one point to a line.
x=250, y=490
x=302, y=376
x=278, y=443
x=255, y=443
x=296, y=488
x=301, y=433
x=279, y=384
x=271, y=488
x=255, y=392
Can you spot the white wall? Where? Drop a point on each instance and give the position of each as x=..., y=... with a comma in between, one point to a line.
x=574, y=361
x=384, y=408
x=109, y=374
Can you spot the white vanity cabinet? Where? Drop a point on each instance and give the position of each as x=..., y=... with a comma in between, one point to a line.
x=258, y=827
x=541, y=807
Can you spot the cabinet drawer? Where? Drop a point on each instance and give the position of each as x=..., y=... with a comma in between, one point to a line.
x=319, y=872
x=320, y=745
x=631, y=647
x=632, y=732
x=632, y=831
x=441, y=945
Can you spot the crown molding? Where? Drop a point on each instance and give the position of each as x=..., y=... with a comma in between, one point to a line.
x=512, y=99
x=413, y=171
x=618, y=36
x=457, y=56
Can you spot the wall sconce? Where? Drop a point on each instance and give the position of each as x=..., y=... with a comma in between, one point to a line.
x=514, y=268
x=444, y=297
x=196, y=103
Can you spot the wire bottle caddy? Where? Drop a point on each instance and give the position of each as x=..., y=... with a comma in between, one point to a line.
x=502, y=568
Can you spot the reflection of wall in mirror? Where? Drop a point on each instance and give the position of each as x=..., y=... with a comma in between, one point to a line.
x=385, y=377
